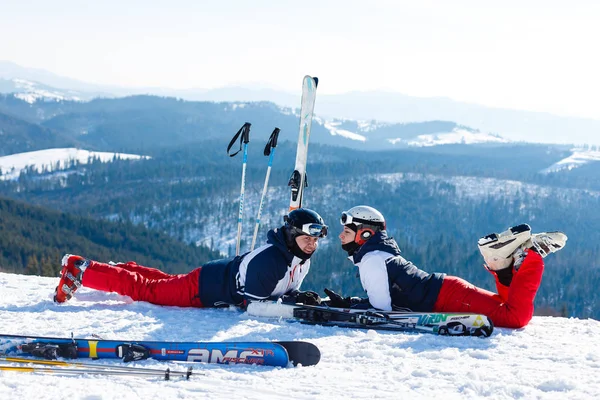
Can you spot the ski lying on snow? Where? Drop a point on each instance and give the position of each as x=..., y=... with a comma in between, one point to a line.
x=277, y=354
x=450, y=324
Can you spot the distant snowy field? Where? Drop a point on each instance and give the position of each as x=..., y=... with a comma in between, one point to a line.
x=12, y=165
x=456, y=136
x=578, y=158
x=552, y=358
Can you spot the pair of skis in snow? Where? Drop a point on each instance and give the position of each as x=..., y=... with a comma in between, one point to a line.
x=446, y=324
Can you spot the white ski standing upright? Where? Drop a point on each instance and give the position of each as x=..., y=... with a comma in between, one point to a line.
x=298, y=179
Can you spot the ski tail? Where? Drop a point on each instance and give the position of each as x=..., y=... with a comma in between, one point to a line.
x=303, y=353
x=298, y=181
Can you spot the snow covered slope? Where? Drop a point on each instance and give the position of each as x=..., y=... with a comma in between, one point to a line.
x=552, y=358
x=578, y=158
x=362, y=130
x=12, y=165
x=31, y=91
x=457, y=136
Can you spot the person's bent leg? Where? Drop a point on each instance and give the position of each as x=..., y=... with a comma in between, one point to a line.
x=458, y=295
x=503, y=278
x=524, y=287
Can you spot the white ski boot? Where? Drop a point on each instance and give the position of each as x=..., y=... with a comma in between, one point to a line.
x=497, y=249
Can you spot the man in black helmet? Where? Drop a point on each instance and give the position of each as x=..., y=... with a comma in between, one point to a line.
x=274, y=270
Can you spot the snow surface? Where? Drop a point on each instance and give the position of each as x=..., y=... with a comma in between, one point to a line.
x=552, y=358
x=457, y=136
x=577, y=159
x=33, y=91
x=12, y=165
x=331, y=126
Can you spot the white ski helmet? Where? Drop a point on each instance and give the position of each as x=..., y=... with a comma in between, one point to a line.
x=364, y=220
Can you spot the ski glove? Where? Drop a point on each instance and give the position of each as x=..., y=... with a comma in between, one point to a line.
x=337, y=301
x=309, y=298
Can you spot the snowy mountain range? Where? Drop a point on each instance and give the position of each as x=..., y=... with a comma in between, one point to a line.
x=132, y=120
x=551, y=358
x=381, y=106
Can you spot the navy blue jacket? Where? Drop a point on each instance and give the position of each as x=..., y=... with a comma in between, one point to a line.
x=266, y=273
x=391, y=282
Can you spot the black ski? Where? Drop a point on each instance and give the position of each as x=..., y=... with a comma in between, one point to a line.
x=451, y=324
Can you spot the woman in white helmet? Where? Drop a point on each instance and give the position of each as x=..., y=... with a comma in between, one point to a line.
x=514, y=257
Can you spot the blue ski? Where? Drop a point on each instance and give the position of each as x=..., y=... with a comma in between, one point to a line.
x=276, y=354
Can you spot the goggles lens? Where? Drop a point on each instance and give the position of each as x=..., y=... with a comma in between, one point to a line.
x=314, y=230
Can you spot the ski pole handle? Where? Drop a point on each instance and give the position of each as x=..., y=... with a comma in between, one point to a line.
x=244, y=134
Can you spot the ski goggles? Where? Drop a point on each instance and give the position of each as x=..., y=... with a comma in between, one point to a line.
x=347, y=219
x=314, y=230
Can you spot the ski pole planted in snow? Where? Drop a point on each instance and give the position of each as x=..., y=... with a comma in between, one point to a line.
x=269, y=151
x=244, y=135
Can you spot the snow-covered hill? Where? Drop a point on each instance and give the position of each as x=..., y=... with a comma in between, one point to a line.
x=552, y=358
x=579, y=157
x=31, y=91
x=457, y=135
x=53, y=160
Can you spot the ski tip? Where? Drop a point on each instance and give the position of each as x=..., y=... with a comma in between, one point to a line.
x=314, y=79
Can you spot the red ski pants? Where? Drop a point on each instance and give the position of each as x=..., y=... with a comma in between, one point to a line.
x=512, y=307
x=145, y=284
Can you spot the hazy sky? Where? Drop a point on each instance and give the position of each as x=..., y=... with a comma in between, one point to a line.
x=531, y=55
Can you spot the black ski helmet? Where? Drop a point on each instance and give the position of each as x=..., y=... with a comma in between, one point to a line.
x=303, y=221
